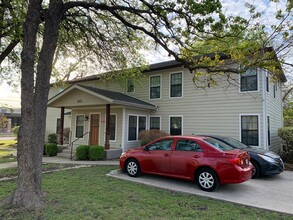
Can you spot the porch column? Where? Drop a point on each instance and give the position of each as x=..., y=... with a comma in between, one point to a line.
x=107, y=136
x=61, y=125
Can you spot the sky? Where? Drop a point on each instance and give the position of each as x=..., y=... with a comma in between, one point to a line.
x=231, y=7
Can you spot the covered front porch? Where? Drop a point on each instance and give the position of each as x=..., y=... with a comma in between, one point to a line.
x=98, y=117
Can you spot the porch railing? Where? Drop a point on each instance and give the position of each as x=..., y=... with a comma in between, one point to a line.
x=71, y=144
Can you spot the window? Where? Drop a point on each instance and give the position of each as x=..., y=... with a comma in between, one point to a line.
x=249, y=130
x=161, y=145
x=176, y=85
x=136, y=124
x=155, y=123
x=141, y=124
x=112, y=127
x=275, y=89
x=130, y=85
x=58, y=125
x=187, y=145
x=248, y=80
x=175, y=125
x=268, y=83
x=155, y=87
x=132, y=128
x=79, y=126
x=269, y=132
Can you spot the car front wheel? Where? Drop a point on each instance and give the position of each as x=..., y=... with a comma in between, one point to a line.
x=207, y=180
x=255, y=170
x=133, y=168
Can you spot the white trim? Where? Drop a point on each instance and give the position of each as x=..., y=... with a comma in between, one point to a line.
x=182, y=85
x=137, y=125
x=258, y=84
x=123, y=130
x=76, y=124
x=155, y=116
x=160, y=75
x=177, y=116
x=89, y=126
x=264, y=113
x=258, y=127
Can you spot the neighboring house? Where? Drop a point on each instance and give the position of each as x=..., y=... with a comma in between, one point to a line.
x=13, y=116
x=249, y=109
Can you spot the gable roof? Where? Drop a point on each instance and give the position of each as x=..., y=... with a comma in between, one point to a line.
x=174, y=63
x=106, y=95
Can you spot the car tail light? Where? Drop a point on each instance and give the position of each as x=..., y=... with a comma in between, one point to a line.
x=240, y=161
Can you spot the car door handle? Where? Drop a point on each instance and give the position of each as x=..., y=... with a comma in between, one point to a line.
x=196, y=156
x=166, y=154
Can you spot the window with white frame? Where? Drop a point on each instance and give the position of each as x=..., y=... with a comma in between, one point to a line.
x=249, y=130
x=136, y=124
x=267, y=83
x=269, y=130
x=155, y=123
x=130, y=85
x=176, y=85
x=155, y=87
x=248, y=80
x=175, y=125
x=112, y=127
x=79, y=126
x=58, y=125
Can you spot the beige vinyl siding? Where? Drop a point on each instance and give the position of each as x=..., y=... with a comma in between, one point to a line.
x=53, y=114
x=275, y=111
x=102, y=129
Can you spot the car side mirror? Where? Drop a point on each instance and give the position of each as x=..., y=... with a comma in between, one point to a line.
x=146, y=148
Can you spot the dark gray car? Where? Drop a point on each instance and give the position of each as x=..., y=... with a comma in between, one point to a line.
x=265, y=162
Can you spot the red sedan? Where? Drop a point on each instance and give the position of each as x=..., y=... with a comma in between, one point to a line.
x=206, y=160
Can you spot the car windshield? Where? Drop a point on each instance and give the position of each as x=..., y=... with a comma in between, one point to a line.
x=218, y=144
x=234, y=143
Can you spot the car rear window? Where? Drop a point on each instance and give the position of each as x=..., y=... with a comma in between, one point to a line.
x=218, y=144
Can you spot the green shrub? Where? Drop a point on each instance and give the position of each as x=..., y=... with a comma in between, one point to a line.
x=286, y=134
x=96, y=152
x=15, y=131
x=51, y=149
x=147, y=136
x=52, y=138
x=82, y=152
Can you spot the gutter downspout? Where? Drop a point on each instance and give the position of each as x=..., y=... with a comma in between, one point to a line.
x=264, y=109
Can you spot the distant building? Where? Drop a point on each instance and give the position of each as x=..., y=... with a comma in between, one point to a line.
x=13, y=116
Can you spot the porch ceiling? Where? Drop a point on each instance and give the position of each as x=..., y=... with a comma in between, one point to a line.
x=84, y=96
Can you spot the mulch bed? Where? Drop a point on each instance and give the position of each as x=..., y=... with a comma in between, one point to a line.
x=288, y=166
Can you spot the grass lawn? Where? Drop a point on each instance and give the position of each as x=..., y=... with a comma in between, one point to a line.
x=86, y=193
x=6, y=151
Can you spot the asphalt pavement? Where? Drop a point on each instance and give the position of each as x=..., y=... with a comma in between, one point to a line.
x=271, y=193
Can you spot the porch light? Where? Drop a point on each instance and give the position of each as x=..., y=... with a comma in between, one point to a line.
x=86, y=117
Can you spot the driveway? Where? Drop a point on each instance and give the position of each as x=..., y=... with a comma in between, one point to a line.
x=272, y=193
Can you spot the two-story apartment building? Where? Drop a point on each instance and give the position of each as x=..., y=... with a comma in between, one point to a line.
x=166, y=98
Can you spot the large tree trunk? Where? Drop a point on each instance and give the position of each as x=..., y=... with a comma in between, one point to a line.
x=34, y=96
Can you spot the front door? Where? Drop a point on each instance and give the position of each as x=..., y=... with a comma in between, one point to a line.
x=95, y=123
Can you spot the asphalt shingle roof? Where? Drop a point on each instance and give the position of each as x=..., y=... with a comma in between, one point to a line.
x=117, y=96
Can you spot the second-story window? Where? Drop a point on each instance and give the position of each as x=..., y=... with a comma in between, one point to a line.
x=248, y=80
x=155, y=87
x=130, y=85
x=176, y=85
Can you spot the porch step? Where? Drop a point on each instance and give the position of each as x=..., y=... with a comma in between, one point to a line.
x=66, y=153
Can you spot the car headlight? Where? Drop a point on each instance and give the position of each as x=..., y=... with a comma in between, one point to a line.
x=266, y=158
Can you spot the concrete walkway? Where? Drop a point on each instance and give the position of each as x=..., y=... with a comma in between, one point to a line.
x=272, y=193
x=61, y=160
